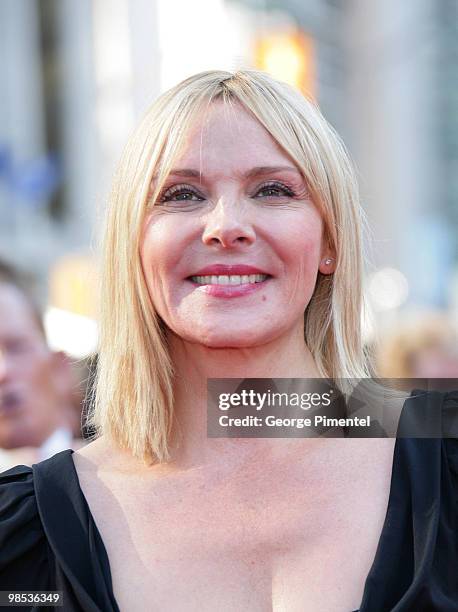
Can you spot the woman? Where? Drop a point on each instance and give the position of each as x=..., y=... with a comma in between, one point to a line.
x=234, y=212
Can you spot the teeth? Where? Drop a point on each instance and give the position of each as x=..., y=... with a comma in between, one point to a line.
x=229, y=280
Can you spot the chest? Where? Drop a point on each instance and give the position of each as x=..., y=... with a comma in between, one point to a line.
x=277, y=535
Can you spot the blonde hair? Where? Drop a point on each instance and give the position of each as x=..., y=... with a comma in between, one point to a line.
x=134, y=390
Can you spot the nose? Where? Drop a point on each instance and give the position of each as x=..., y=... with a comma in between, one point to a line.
x=228, y=225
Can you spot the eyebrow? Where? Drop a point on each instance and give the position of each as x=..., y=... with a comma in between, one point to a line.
x=256, y=171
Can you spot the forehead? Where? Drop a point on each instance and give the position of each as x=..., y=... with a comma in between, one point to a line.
x=229, y=137
x=16, y=315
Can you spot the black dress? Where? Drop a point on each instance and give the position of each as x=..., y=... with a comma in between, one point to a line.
x=49, y=541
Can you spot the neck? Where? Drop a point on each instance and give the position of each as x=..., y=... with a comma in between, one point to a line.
x=285, y=357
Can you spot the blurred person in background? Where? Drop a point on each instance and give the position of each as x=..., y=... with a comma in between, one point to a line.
x=420, y=346
x=36, y=384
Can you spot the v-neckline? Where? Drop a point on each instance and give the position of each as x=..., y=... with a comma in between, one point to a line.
x=381, y=538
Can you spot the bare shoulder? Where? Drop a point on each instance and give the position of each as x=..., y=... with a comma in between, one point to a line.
x=99, y=467
x=97, y=456
x=103, y=456
x=92, y=453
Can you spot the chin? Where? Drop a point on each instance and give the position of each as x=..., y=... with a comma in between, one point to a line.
x=230, y=338
x=11, y=441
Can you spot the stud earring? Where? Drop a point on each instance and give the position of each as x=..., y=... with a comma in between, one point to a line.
x=327, y=261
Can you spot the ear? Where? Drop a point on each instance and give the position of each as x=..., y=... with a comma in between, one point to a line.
x=328, y=261
x=63, y=372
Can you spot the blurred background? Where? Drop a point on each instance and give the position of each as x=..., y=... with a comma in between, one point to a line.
x=77, y=75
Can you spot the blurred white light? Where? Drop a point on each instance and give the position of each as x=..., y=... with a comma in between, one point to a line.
x=197, y=36
x=113, y=73
x=388, y=289
x=74, y=334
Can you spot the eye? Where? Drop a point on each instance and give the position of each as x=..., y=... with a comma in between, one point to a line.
x=275, y=190
x=180, y=193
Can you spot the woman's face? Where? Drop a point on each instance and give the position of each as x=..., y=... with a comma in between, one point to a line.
x=232, y=248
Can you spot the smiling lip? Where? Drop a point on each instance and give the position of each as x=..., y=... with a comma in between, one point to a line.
x=228, y=270
x=228, y=290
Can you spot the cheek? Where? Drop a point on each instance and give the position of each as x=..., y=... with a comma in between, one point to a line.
x=38, y=379
x=300, y=250
x=43, y=373
x=154, y=243
x=163, y=246
x=300, y=242
x=157, y=252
